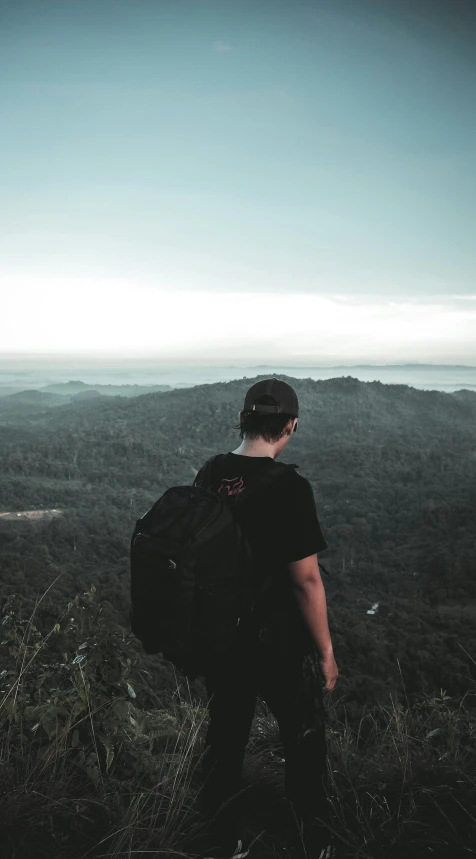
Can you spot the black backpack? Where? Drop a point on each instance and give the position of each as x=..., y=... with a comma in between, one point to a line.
x=192, y=576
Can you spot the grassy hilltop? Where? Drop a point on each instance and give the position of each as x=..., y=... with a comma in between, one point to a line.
x=101, y=742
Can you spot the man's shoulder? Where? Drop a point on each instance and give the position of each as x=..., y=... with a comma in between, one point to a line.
x=294, y=484
x=290, y=470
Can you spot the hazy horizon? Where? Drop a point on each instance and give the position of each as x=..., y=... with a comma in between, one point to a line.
x=120, y=359
x=37, y=374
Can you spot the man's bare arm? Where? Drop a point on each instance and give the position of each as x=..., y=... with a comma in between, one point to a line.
x=311, y=599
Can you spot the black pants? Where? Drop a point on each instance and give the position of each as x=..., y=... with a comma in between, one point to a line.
x=280, y=669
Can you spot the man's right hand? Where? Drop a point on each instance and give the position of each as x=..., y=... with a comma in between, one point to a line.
x=329, y=670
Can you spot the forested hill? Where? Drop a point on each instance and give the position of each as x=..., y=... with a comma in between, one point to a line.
x=367, y=418
x=394, y=474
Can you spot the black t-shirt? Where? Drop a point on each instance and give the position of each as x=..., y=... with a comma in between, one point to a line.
x=280, y=521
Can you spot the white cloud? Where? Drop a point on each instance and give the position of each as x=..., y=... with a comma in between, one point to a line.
x=222, y=47
x=87, y=315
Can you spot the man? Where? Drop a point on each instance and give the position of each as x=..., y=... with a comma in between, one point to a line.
x=274, y=656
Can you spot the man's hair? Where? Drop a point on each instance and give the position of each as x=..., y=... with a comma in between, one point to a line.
x=271, y=427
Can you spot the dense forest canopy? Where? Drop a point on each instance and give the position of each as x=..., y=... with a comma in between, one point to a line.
x=393, y=470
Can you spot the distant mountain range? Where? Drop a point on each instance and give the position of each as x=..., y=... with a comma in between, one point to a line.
x=414, y=366
x=78, y=388
x=132, y=381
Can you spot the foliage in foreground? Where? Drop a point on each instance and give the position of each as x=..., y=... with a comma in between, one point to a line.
x=94, y=762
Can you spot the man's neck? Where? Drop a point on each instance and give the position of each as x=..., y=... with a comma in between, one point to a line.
x=257, y=447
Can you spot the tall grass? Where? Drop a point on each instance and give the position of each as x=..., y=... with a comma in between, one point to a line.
x=403, y=779
x=86, y=770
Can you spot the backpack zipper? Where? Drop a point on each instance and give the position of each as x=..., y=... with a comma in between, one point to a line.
x=172, y=563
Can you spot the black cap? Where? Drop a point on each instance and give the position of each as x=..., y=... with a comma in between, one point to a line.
x=285, y=398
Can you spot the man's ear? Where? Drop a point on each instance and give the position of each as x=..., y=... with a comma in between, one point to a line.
x=295, y=425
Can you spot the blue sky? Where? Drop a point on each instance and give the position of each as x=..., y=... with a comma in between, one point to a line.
x=207, y=161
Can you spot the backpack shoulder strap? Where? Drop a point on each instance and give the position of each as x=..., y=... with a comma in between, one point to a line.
x=205, y=476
